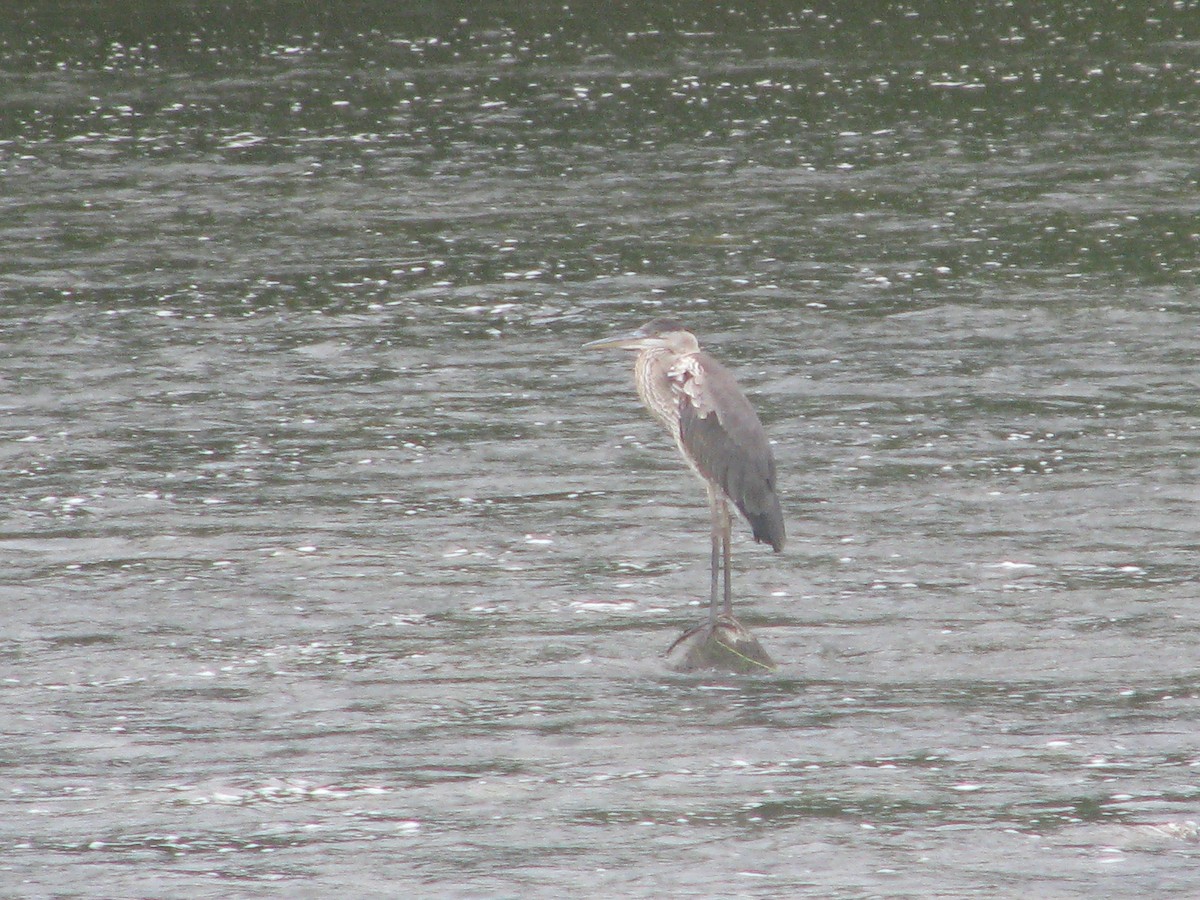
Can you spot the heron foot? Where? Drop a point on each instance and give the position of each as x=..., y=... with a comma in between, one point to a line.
x=724, y=645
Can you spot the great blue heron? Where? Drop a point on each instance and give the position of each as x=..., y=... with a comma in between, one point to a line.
x=717, y=432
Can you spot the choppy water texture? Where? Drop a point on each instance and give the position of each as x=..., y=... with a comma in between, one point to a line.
x=330, y=565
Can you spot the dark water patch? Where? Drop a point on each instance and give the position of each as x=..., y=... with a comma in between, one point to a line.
x=330, y=560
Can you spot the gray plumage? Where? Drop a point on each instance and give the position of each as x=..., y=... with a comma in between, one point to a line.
x=716, y=430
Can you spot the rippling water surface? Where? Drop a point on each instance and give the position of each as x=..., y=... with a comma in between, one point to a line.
x=330, y=564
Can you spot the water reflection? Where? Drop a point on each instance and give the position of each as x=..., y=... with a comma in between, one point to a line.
x=319, y=536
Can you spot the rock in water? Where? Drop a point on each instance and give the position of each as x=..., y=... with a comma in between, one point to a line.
x=726, y=647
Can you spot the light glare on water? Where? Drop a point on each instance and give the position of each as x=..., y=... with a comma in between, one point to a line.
x=330, y=564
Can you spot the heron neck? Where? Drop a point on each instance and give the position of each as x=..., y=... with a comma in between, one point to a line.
x=654, y=387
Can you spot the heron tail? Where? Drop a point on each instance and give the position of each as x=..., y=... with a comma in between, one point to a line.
x=767, y=524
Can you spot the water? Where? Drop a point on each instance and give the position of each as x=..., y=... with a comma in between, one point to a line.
x=329, y=564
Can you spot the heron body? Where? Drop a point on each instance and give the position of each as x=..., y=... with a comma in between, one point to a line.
x=699, y=403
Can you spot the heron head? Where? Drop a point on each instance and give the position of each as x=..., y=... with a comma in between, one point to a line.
x=659, y=334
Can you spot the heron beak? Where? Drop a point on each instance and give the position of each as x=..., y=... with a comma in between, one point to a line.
x=632, y=341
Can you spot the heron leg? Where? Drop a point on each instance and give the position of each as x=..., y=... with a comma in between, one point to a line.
x=726, y=527
x=716, y=505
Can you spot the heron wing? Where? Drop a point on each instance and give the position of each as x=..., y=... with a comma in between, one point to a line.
x=721, y=435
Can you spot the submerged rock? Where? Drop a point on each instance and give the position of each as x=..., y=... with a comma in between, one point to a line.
x=726, y=647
